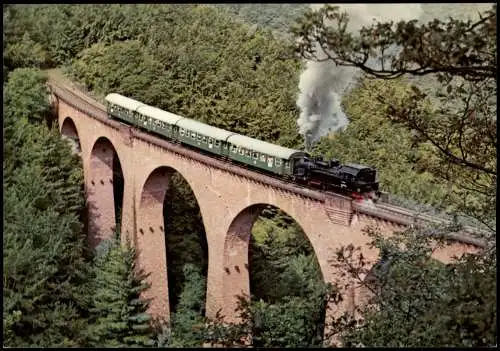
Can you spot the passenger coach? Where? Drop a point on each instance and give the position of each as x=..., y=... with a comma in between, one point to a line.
x=273, y=158
x=122, y=108
x=203, y=136
x=159, y=121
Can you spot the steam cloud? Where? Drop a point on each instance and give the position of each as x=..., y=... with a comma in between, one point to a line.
x=322, y=84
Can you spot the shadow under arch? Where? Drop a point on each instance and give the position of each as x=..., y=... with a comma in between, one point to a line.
x=237, y=261
x=69, y=132
x=161, y=203
x=103, y=206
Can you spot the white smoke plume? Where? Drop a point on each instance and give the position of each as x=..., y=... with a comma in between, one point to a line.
x=322, y=84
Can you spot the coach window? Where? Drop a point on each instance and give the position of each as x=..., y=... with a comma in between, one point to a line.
x=278, y=162
x=199, y=137
x=241, y=151
x=182, y=131
x=217, y=143
x=247, y=153
x=263, y=158
x=205, y=139
x=193, y=135
x=270, y=161
x=255, y=155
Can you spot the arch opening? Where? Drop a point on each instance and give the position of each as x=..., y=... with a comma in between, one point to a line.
x=104, y=187
x=269, y=258
x=118, y=188
x=70, y=133
x=171, y=243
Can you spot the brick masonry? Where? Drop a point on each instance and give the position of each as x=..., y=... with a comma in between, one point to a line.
x=229, y=204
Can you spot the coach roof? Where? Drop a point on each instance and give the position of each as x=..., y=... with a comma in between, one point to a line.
x=159, y=114
x=204, y=129
x=264, y=147
x=123, y=101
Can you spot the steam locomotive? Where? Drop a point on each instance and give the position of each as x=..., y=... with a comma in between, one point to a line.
x=355, y=180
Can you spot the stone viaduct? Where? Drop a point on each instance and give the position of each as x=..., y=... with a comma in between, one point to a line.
x=229, y=197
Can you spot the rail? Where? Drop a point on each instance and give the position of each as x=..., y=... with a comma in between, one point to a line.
x=96, y=110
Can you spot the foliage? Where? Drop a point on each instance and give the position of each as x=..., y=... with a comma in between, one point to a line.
x=188, y=322
x=417, y=301
x=123, y=67
x=25, y=53
x=288, y=292
x=118, y=314
x=282, y=262
x=61, y=31
x=277, y=17
x=45, y=291
x=186, y=242
x=26, y=96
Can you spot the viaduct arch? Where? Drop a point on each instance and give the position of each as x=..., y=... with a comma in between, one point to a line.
x=229, y=199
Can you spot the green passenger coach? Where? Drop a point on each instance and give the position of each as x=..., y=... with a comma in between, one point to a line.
x=158, y=121
x=123, y=108
x=203, y=136
x=261, y=154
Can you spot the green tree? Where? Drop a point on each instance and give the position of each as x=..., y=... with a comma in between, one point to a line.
x=45, y=273
x=187, y=322
x=185, y=237
x=418, y=301
x=118, y=314
x=25, y=95
x=25, y=53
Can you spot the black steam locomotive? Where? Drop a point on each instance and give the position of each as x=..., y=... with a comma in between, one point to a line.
x=352, y=179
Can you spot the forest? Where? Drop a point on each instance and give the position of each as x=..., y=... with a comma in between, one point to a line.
x=427, y=122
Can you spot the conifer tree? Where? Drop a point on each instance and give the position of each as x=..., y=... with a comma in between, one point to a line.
x=119, y=317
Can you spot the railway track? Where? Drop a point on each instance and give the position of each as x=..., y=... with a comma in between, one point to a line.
x=79, y=100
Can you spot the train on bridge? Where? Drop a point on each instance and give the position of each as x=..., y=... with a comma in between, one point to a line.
x=357, y=181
